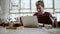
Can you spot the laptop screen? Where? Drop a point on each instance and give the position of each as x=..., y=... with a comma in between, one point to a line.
x=29, y=20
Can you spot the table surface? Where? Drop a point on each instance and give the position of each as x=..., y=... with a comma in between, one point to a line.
x=24, y=30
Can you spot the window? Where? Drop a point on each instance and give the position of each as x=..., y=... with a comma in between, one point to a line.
x=48, y=5
x=20, y=8
x=57, y=9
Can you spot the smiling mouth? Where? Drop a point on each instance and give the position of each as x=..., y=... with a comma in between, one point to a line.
x=39, y=10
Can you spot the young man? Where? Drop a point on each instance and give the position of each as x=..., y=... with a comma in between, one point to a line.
x=43, y=17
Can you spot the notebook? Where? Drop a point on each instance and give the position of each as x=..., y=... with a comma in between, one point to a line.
x=30, y=21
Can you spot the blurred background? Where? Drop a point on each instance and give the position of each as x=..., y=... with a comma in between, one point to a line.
x=18, y=8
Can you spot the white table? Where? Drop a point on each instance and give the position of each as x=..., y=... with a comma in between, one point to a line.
x=29, y=31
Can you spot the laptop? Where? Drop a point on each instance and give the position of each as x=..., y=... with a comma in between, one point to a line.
x=30, y=21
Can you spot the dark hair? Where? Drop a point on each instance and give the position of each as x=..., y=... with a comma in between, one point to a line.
x=40, y=3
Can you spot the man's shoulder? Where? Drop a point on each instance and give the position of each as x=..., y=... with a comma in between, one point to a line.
x=35, y=13
x=47, y=13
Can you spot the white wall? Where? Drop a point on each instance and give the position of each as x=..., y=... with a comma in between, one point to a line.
x=4, y=12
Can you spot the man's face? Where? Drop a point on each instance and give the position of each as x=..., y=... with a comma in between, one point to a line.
x=39, y=8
